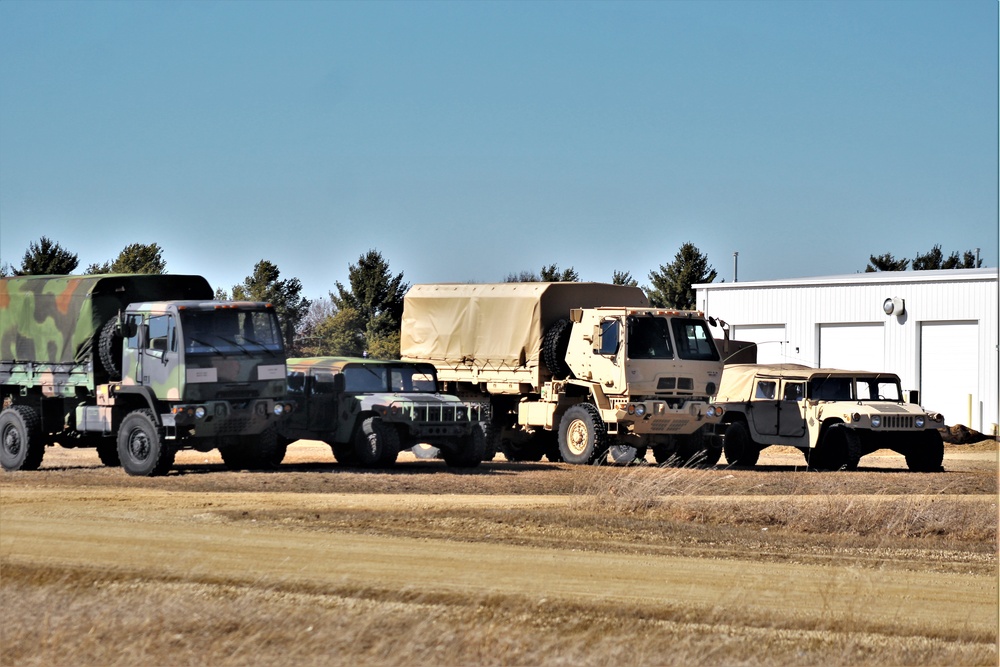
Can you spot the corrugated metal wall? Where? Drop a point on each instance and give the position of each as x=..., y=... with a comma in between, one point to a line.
x=804, y=305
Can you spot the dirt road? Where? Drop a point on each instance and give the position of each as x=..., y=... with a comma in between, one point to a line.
x=793, y=598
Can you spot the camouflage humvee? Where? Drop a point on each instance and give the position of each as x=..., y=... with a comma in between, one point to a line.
x=834, y=416
x=368, y=411
x=138, y=367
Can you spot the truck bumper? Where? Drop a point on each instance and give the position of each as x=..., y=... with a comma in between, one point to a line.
x=658, y=417
x=222, y=418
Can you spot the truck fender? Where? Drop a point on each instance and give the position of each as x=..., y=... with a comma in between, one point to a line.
x=136, y=396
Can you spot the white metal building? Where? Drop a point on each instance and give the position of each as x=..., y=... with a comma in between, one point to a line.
x=937, y=330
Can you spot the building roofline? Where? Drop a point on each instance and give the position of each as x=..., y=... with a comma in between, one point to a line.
x=868, y=278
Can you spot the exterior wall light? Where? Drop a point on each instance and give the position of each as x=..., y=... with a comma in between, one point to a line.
x=894, y=306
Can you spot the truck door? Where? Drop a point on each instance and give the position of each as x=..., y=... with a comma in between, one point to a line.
x=160, y=360
x=322, y=401
x=607, y=362
x=791, y=421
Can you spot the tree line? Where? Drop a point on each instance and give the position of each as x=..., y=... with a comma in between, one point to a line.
x=364, y=316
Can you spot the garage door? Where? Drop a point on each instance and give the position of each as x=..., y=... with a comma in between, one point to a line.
x=949, y=370
x=853, y=347
x=770, y=339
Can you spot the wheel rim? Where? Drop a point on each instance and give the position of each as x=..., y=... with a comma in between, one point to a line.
x=138, y=445
x=11, y=441
x=577, y=436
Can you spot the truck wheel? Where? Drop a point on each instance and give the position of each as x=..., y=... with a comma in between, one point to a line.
x=696, y=450
x=662, y=451
x=107, y=451
x=741, y=451
x=470, y=452
x=554, y=346
x=109, y=346
x=376, y=445
x=927, y=453
x=583, y=437
x=521, y=450
x=492, y=434
x=141, y=448
x=838, y=449
x=264, y=451
x=21, y=445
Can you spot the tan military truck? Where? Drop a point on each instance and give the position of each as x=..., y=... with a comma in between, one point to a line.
x=833, y=416
x=572, y=370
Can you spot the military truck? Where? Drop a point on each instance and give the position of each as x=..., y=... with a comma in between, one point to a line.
x=572, y=370
x=138, y=367
x=368, y=411
x=833, y=416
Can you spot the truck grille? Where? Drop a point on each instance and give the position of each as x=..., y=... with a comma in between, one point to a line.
x=897, y=421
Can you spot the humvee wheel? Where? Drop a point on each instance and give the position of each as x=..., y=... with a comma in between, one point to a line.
x=470, y=450
x=740, y=450
x=21, y=446
x=141, y=448
x=696, y=450
x=376, y=445
x=926, y=453
x=583, y=438
x=838, y=449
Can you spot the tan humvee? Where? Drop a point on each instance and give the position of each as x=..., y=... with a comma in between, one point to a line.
x=834, y=416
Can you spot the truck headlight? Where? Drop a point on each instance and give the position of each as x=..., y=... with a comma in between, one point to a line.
x=877, y=421
x=279, y=409
x=639, y=410
x=714, y=411
x=199, y=412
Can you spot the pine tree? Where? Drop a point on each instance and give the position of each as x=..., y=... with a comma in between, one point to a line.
x=671, y=285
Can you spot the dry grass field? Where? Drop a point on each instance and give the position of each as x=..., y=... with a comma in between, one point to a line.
x=507, y=564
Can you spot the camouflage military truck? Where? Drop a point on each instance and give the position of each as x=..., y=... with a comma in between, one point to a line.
x=572, y=371
x=833, y=416
x=368, y=411
x=138, y=367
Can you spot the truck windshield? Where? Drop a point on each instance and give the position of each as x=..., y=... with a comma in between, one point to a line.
x=879, y=389
x=694, y=341
x=229, y=330
x=648, y=338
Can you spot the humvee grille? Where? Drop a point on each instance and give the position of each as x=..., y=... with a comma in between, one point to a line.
x=897, y=421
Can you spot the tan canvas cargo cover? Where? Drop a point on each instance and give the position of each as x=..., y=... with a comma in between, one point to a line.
x=496, y=325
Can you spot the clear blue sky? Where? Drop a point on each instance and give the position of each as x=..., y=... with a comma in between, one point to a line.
x=469, y=140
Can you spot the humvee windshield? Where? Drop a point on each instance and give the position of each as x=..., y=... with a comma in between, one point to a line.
x=855, y=389
x=230, y=330
x=879, y=389
x=831, y=388
x=364, y=378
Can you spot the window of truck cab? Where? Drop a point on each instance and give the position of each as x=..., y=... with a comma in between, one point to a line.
x=694, y=340
x=648, y=338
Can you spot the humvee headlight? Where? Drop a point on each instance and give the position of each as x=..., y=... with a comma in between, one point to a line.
x=920, y=421
x=877, y=421
x=200, y=412
x=279, y=409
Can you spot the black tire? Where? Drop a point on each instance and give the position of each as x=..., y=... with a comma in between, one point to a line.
x=740, y=449
x=522, y=450
x=663, y=451
x=470, y=451
x=376, y=444
x=554, y=346
x=21, y=444
x=263, y=451
x=696, y=450
x=839, y=448
x=107, y=451
x=927, y=454
x=492, y=434
x=583, y=436
x=343, y=453
x=141, y=448
x=109, y=347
